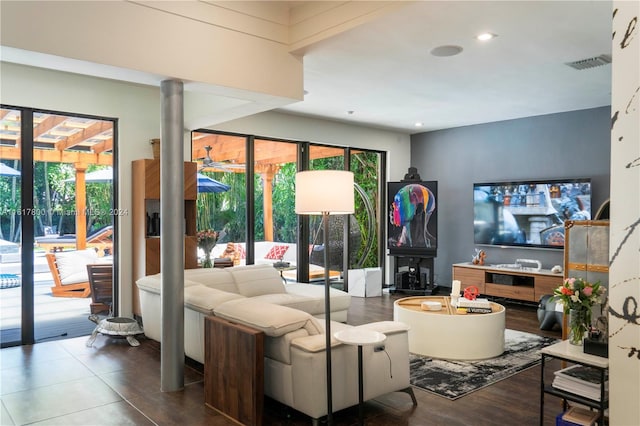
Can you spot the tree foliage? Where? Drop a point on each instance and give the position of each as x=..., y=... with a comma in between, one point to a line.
x=54, y=203
x=226, y=211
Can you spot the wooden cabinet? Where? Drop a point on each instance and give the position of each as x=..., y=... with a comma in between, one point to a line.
x=510, y=283
x=586, y=255
x=146, y=202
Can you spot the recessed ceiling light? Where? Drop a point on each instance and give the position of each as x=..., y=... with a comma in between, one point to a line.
x=419, y=124
x=486, y=36
x=350, y=112
x=446, y=50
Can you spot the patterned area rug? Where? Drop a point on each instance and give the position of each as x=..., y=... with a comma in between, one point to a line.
x=455, y=379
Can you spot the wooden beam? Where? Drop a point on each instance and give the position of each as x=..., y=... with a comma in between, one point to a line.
x=13, y=153
x=105, y=145
x=48, y=124
x=79, y=137
x=81, y=207
x=267, y=175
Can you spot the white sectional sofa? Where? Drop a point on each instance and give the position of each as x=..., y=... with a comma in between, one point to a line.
x=255, y=295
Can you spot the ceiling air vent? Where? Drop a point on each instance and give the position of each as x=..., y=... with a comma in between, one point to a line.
x=596, y=61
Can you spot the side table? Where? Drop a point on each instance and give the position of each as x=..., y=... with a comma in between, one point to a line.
x=567, y=352
x=360, y=337
x=284, y=266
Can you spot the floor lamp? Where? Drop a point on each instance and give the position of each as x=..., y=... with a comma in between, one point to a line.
x=325, y=192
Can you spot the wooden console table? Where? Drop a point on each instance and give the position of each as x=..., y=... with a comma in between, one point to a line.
x=234, y=370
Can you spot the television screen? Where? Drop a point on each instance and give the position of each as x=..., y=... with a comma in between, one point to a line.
x=528, y=213
x=413, y=218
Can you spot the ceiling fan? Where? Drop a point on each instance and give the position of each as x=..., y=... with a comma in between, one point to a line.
x=208, y=163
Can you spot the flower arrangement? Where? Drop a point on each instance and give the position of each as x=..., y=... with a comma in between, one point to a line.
x=576, y=293
x=578, y=297
x=207, y=239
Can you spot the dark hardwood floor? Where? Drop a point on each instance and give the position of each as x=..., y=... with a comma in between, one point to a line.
x=64, y=382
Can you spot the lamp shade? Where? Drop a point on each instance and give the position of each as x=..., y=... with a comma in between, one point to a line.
x=324, y=191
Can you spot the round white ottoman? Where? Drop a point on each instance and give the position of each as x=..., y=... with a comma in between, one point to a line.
x=447, y=334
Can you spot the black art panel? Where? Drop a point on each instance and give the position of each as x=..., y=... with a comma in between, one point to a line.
x=412, y=212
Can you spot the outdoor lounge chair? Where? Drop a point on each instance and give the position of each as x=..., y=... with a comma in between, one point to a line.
x=69, y=272
x=101, y=240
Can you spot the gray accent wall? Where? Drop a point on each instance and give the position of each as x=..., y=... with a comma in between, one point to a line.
x=566, y=145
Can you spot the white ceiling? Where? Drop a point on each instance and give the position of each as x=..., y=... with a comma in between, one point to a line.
x=383, y=70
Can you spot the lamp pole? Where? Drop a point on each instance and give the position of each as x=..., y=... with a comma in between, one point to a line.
x=327, y=315
x=325, y=192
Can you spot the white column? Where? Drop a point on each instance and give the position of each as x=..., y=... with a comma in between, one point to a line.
x=624, y=239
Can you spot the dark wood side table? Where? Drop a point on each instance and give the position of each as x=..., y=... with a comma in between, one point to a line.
x=234, y=370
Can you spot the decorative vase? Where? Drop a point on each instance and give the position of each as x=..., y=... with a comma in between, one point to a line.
x=579, y=322
x=207, y=263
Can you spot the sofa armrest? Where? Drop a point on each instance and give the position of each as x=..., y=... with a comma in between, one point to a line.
x=318, y=343
x=273, y=320
x=386, y=327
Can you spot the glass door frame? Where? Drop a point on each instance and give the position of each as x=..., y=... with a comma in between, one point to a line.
x=27, y=325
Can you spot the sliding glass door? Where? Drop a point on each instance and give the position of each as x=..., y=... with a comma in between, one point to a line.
x=255, y=210
x=60, y=208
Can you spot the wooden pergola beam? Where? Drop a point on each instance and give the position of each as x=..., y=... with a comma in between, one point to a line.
x=52, y=156
x=77, y=138
x=105, y=145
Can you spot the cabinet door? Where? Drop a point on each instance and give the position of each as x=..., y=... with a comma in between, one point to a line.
x=469, y=277
x=546, y=285
x=587, y=250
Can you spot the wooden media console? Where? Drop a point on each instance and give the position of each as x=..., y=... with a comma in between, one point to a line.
x=519, y=284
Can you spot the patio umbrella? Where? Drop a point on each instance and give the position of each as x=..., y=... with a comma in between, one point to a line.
x=206, y=184
x=99, y=176
x=8, y=171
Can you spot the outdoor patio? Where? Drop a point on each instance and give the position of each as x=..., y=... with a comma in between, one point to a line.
x=55, y=317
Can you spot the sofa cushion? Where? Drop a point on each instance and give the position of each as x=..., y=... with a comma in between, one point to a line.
x=340, y=300
x=153, y=283
x=273, y=320
x=279, y=348
x=256, y=280
x=72, y=265
x=308, y=304
x=276, y=252
x=205, y=299
x=218, y=278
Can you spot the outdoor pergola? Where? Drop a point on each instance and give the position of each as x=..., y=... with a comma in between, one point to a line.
x=84, y=141
x=62, y=139
x=228, y=155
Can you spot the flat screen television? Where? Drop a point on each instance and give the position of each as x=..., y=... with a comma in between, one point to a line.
x=412, y=228
x=528, y=213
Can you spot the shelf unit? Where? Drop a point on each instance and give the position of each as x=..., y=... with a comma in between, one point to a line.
x=574, y=354
x=509, y=283
x=146, y=201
